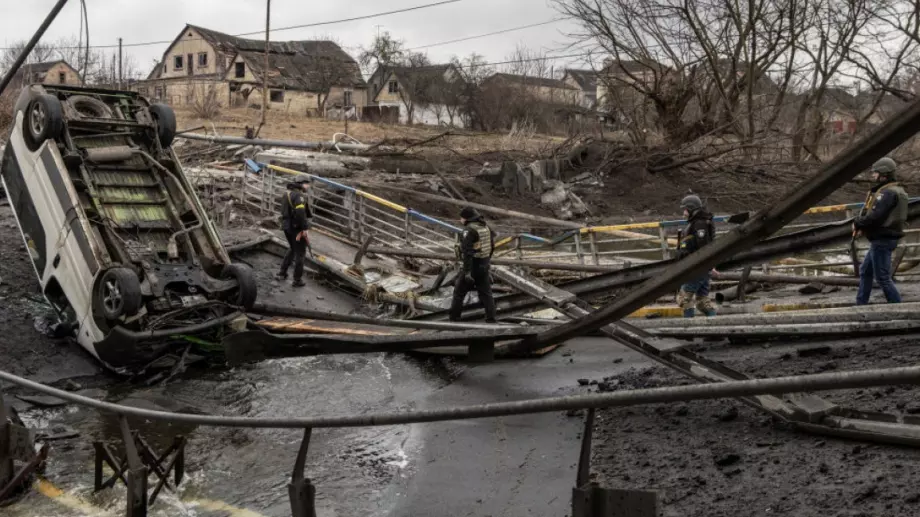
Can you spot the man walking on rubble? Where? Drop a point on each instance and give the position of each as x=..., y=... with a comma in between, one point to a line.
x=475, y=251
x=882, y=222
x=700, y=231
x=294, y=222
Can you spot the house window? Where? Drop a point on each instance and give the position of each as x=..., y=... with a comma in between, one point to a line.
x=178, y=63
x=62, y=77
x=276, y=95
x=240, y=70
x=159, y=92
x=202, y=59
x=347, y=99
x=393, y=87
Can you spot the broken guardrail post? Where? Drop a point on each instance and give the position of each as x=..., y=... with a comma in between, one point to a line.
x=137, y=474
x=301, y=490
x=591, y=500
x=6, y=457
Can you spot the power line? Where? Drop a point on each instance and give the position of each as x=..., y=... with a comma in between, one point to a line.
x=504, y=31
x=303, y=26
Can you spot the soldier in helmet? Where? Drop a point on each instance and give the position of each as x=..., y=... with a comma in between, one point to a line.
x=881, y=221
x=699, y=232
x=475, y=251
x=295, y=215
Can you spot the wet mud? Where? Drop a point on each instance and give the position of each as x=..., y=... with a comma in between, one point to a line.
x=722, y=458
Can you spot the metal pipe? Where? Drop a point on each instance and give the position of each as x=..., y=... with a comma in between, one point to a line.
x=31, y=45
x=746, y=388
x=293, y=144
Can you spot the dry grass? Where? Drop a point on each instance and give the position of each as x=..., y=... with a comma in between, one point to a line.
x=7, y=100
x=288, y=126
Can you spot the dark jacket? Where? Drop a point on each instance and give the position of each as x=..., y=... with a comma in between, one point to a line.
x=884, y=214
x=476, y=243
x=294, y=211
x=699, y=232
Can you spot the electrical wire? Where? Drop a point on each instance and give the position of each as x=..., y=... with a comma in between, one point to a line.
x=504, y=31
x=291, y=27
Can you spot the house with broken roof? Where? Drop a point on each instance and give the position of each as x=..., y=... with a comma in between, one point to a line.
x=431, y=94
x=50, y=72
x=545, y=89
x=306, y=77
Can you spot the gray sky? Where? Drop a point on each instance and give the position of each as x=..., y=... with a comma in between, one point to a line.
x=138, y=21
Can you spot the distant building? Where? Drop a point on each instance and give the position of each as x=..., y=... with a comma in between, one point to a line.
x=429, y=95
x=303, y=76
x=544, y=89
x=586, y=83
x=52, y=72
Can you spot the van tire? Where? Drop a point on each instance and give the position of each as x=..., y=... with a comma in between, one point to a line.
x=119, y=293
x=44, y=120
x=166, y=123
x=245, y=296
x=84, y=106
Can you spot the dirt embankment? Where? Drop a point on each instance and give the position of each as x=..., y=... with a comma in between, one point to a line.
x=721, y=458
x=24, y=315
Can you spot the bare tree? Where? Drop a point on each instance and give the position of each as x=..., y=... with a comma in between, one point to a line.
x=466, y=94
x=418, y=81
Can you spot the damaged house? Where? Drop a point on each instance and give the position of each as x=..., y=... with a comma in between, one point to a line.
x=50, y=72
x=431, y=95
x=306, y=77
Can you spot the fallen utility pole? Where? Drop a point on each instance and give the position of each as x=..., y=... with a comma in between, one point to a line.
x=257, y=345
x=560, y=266
x=293, y=144
x=293, y=312
x=768, y=249
x=27, y=49
x=863, y=313
x=795, y=330
x=800, y=409
x=482, y=208
x=844, y=167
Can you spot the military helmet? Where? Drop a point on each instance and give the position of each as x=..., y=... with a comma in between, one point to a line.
x=297, y=181
x=692, y=203
x=469, y=214
x=885, y=167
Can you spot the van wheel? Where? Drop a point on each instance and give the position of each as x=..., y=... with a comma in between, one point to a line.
x=44, y=120
x=166, y=123
x=119, y=293
x=245, y=296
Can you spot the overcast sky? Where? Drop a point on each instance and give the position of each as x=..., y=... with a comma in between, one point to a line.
x=138, y=21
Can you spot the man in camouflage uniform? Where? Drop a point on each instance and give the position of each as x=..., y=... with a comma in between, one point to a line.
x=475, y=251
x=881, y=221
x=699, y=232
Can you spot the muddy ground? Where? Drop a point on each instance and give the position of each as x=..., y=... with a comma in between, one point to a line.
x=722, y=458
x=24, y=314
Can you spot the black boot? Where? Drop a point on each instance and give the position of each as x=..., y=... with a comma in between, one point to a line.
x=298, y=283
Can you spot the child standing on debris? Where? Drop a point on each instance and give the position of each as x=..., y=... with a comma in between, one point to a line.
x=700, y=231
x=882, y=222
x=294, y=222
